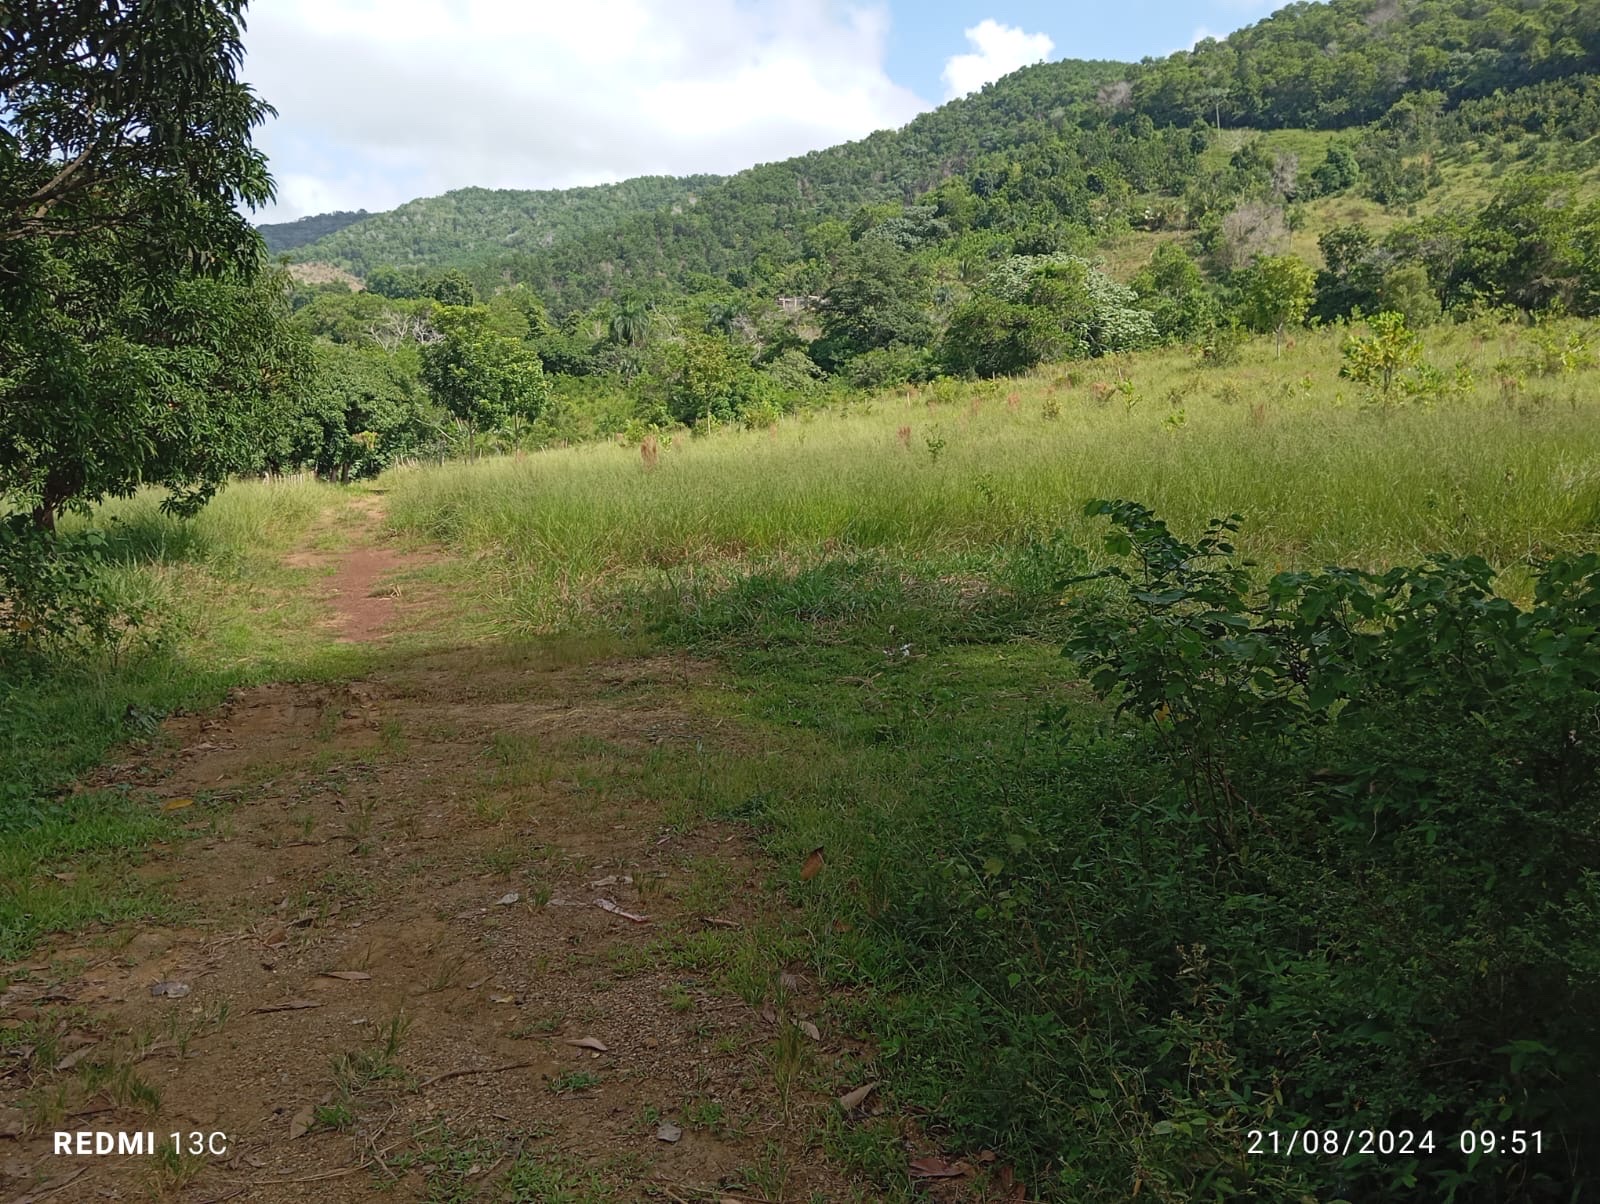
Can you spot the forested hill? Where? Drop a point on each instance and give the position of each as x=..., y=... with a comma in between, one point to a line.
x=464, y=227
x=1055, y=157
x=286, y=236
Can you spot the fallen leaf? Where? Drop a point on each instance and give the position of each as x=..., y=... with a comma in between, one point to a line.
x=718, y=923
x=937, y=1168
x=812, y=866
x=302, y=1122
x=851, y=1100
x=985, y=1158
x=668, y=1132
x=507, y=900
x=348, y=975
x=177, y=804
x=69, y=878
x=73, y=1058
x=612, y=880
x=170, y=989
x=502, y=998
x=789, y=982
x=809, y=1030
x=608, y=905
x=593, y=1043
x=289, y=1005
x=767, y=1014
x=277, y=938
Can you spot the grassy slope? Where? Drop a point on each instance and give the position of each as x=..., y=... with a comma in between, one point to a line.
x=888, y=618
x=1322, y=475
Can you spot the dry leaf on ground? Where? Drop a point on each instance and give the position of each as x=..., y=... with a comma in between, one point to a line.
x=937, y=1168
x=348, y=975
x=288, y=1005
x=851, y=1100
x=812, y=866
x=302, y=1122
x=593, y=1043
x=170, y=989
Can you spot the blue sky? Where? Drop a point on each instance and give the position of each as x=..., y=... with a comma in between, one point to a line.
x=924, y=35
x=380, y=101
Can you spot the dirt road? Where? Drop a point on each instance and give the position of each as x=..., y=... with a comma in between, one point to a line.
x=434, y=937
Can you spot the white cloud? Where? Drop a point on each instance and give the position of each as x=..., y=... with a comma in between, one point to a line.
x=1001, y=49
x=383, y=100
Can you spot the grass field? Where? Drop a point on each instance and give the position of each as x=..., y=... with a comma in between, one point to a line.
x=951, y=474
x=1023, y=921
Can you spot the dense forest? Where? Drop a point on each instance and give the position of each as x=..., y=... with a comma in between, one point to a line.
x=1339, y=66
x=286, y=236
x=477, y=225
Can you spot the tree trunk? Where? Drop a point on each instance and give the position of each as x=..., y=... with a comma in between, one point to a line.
x=57, y=490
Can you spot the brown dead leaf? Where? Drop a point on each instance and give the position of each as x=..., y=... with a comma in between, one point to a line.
x=715, y=922
x=809, y=1029
x=812, y=866
x=277, y=938
x=937, y=1168
x=851, y=1100
x=593, y=1043
x=302, y=1122
x=348, y=975
x=288, y=1005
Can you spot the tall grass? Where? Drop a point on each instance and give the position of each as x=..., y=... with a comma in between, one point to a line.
x=1322, y=473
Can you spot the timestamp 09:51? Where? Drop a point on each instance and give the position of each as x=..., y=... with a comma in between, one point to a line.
x=1402, y=1143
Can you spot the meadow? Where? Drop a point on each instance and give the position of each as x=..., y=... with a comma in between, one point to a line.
x=1505, y=464
x=1046, y=913
x=1108, y=941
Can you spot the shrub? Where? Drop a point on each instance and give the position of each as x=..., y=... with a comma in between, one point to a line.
x=1379, y=358
x=1393, y=781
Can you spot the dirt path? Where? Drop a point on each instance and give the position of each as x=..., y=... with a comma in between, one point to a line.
x=436, y=938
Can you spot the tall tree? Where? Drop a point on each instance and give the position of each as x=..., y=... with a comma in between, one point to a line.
x=139, y=341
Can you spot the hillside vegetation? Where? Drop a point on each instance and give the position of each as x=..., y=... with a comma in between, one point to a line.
x=479, y=226
x=286, y=236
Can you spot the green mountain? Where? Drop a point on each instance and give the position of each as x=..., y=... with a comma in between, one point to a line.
x=286, y=236
x=467, y=226
x=1396, y=107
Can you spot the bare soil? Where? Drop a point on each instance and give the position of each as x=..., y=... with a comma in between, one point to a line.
x=431, y=926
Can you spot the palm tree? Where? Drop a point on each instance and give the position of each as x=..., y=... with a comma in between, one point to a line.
x=632, y=321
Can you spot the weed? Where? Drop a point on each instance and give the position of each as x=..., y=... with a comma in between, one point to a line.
x=574, y=1081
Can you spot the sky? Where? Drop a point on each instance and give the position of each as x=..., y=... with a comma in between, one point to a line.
x=381, y=101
